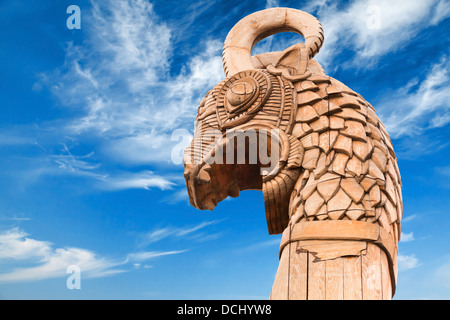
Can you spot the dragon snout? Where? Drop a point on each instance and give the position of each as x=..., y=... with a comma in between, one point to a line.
x=199, y=185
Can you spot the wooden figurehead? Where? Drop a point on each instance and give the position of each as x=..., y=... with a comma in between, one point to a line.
x=316, y=149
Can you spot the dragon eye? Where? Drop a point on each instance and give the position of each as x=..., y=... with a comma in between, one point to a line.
x=240, y=97
x=240, y=92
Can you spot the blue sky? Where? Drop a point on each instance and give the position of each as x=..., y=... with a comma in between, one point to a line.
x=86, y=150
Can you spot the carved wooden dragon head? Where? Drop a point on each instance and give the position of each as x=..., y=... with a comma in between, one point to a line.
x=257, y=97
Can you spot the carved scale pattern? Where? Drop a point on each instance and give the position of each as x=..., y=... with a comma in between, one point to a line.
x=350, y=168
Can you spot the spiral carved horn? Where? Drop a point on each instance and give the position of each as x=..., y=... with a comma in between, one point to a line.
x=259, y=25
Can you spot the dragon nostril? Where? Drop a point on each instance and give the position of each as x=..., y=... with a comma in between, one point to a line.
x=203, y=177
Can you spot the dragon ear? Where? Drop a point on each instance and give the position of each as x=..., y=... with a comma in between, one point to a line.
x=295, y=59
x=243, y=37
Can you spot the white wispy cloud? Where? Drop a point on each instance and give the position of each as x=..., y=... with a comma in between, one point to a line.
x=407, y=237
x=407, y=262
x=180, y=195
x=272, y=3
x=260, y=245
x=373, y=28
x=88, y=167
x=441, y=11
x=128, y=98
x=79, y=165
x=176, y=232
x=130, y=101
x=32, y=260
x=47, y=261
x=16, y=218
x=140, y=180
x=409, y=218
x=147, y=255
x=419, y=105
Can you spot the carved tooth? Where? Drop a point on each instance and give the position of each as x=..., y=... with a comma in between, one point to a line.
x=234, y=190
x=203, y=177
x=207, y=167
x=186, y=171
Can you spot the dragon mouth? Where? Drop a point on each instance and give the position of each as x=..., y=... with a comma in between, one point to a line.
x=209, y=183
x=235, y=120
